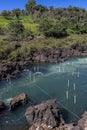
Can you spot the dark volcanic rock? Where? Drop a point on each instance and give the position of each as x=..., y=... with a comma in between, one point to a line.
x=47, y=113
x=46, y=116
x=16, y=44
x=12, y=67
x=82, y=123
x=15, y=73
x=62, y=127
x=17, y=101
x=2, y=106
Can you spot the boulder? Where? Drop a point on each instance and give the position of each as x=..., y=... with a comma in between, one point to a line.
x=17, y=101
x=16, y=44
x=2, y=106
x=40, y=37
x=15, y=73
x=30, y=38
x=82, y=123
x=62, y=127
x=41, y=127
x=45, y=113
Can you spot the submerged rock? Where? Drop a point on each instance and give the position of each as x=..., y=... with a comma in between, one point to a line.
x=2, y=106
x=46, y=113
x=17, y=101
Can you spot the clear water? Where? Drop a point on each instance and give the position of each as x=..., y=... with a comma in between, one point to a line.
x=66, y=82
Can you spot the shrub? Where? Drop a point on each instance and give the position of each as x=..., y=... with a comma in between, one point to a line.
x=16, y=30
x=53, y=28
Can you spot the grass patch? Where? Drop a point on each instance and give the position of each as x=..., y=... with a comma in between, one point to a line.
x=3, y=22
x=27, y=21
x=8, y=51
x=32, y=27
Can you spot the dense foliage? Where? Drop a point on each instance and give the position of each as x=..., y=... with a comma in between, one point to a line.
x=52, y=28
x=40, y=27
x=16, y=30
x=54, y=22
x=62, y=21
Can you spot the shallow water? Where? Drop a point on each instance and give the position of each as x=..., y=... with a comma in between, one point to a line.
x=66, y=82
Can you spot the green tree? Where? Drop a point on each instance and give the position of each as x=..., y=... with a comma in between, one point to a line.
x=51, y=8
x=17, y=12
x=5, y=13
x=30, y=6
x=52, y=28
x=45, y=25
x=16, y=30
x=41, y=8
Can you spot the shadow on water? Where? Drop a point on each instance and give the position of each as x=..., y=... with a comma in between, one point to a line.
x=66, y=116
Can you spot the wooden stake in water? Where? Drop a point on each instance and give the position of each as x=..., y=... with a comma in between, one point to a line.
x=74, y=86
x=78, y=75
x=30, y=75
x=68, y=63
x=59, y=69
x=34, y=79
x=10, y=81
x=7, y=80
x=67, y=95
x=73, y=72
x=74, y=99
x=68, y=83
x=34, y=68
x=63, y=69
x=37, y=69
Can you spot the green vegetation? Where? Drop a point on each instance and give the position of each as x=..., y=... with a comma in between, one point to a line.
x=27, y=21
x=38, y=27
x=16, y=30
x=52, y=28
x=8, y=50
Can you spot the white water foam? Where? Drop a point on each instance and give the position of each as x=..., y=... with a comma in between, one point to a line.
x=7, y=101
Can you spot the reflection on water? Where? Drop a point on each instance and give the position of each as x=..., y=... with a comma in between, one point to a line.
x=66, y=82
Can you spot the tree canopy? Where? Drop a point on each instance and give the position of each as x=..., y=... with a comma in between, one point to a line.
x=30, y=6
x=54, y=22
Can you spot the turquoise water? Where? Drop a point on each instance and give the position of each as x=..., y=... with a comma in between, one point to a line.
x=66, y=82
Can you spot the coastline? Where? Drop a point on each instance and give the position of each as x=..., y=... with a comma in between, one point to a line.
x=10, y=68
x=53, y=55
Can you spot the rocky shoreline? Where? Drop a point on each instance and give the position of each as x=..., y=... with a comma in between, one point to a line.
x=11, y=68
x=43, y=116
x=47, y=116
